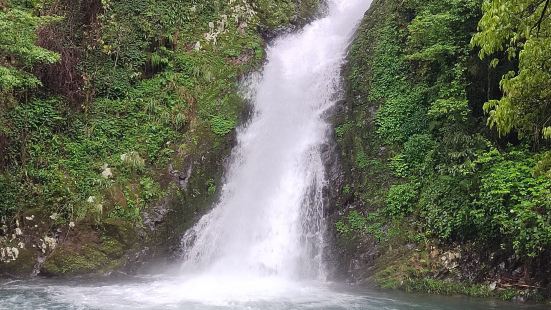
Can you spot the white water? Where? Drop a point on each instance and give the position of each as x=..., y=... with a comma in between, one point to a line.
x=269, y=221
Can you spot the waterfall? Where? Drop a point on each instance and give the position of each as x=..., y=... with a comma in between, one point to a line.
x=269, y=219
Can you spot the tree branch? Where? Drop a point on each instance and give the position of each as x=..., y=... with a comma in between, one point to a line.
x=542, y=16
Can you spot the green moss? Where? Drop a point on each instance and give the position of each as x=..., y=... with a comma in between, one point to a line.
x=416, y=154
x=148, y=91
x=307, y=9
x=447, y=287
x=119, y=233
x=415, y=270
x=63, y=261
x=428, y=285
x=222, y=126
x=276, y=13
x=89, y=258
x=112, y=248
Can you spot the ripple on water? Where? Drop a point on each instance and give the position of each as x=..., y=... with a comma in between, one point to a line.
x=214, y=293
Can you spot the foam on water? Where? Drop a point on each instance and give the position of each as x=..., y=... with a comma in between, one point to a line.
x=201, y=292
x=205, y=293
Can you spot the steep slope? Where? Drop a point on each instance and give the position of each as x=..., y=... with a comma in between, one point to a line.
x=431, y=198
x=114, y=143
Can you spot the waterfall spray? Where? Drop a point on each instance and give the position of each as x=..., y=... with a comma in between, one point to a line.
x=269, y=219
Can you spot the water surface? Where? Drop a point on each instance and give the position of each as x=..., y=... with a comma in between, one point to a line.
x=163, y=292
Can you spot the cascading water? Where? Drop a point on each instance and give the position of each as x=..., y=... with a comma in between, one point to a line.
x=269, y=221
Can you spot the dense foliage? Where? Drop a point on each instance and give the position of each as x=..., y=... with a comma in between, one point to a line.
x=521, y=30
x=145, y=95
x=18, y=50
x=416, y=140
x=105, y=106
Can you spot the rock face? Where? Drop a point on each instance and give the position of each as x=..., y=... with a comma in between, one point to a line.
x=333, y=172
x=87, y=253
x=352, y=260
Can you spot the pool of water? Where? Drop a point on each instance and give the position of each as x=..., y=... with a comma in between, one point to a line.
x=204, y=293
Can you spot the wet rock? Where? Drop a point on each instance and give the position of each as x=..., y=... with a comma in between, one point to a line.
x=22, y=266
x=181, y=177
x=517, y=272
x=106, y=172
x=519, y=298
x=155, y=216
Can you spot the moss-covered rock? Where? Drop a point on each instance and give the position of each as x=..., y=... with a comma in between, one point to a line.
x=439, y=272
x=363, y=156
x=307, y=9
x=22, y=266
x=71, y=259
x=276, y=15
x=119, y=231
x=66, y=261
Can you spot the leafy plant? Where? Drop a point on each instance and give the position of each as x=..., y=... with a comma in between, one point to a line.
x=522, y=30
